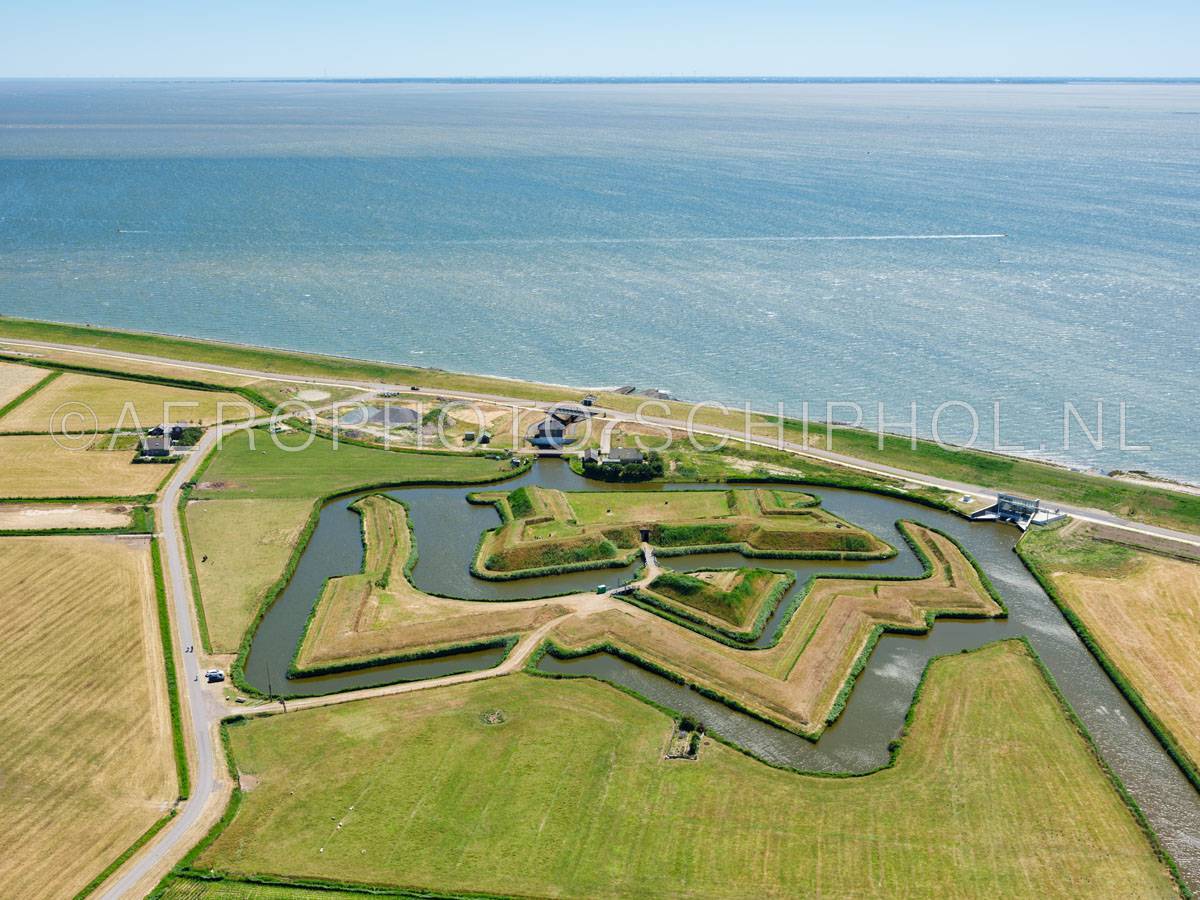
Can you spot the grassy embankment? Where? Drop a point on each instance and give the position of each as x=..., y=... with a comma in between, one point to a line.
x=552, y=531
x=1140, y=613
x=87, y=756
x=1013, y=799
x=379, y=616
x=801, y=682
x=723, y=598
x=1156, y=506
x=1143, y=503
x=256, y=503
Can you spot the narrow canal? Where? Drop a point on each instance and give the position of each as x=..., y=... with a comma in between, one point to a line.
x=447, y=529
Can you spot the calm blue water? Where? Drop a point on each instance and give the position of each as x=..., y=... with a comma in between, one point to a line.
x=585, y=233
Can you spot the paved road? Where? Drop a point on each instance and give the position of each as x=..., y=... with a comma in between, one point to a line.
x=957, y=487
x=204, y=706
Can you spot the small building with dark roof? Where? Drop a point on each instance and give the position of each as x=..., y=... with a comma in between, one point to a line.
x=626, y=455
x=155, y=445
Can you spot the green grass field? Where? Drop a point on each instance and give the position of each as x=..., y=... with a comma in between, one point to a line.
x=1144, y=503
x=254, y=498
x=550, y=528
x=241, y=546
x=200, y=889
x=571, y=797
x=647, y=506
x=251, y=464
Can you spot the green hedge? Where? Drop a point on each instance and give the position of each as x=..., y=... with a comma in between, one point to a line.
x=354, y=665
x=142, y=522
x=133, y=848
x=1131, y=694
x=237, y=670
x=168, y=645
x=732, y=637
x=27, y=393
x=1128, y=799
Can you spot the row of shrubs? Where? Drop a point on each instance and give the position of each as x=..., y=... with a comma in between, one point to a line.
x=652, y=468
x=558, y=553
x=520, y=503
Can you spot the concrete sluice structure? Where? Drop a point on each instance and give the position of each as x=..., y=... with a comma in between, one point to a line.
x=1019, y=511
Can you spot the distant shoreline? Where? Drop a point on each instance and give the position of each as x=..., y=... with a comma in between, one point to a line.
x=638, y=79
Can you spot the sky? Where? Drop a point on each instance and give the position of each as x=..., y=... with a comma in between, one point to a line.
x=376, y=38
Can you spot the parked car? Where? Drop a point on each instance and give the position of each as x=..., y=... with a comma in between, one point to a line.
x=214, y=675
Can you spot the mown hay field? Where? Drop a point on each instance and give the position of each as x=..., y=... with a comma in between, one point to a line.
x=37, y=466
x=16, y=380
x=994, y=793
x=721, y=598
x=1144, y=611
x=118, y=402
x=86, y=764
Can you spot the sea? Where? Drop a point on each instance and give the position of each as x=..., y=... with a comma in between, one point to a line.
x=1023, y=252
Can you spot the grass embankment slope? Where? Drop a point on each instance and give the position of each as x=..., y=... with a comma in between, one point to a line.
x=1140, y=502
x=379, y=613
x=587, y=529
x=86, y=763
x=117, y=402
x=255, y=501
x=732, y=597
x=577, y=801
x=1156, y=506
x=1142, y=609
x=800, y=682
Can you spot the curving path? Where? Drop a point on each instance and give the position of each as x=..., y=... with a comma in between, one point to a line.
x=204, y=706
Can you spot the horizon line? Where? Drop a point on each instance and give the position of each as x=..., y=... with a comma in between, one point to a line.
x=633, y=79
